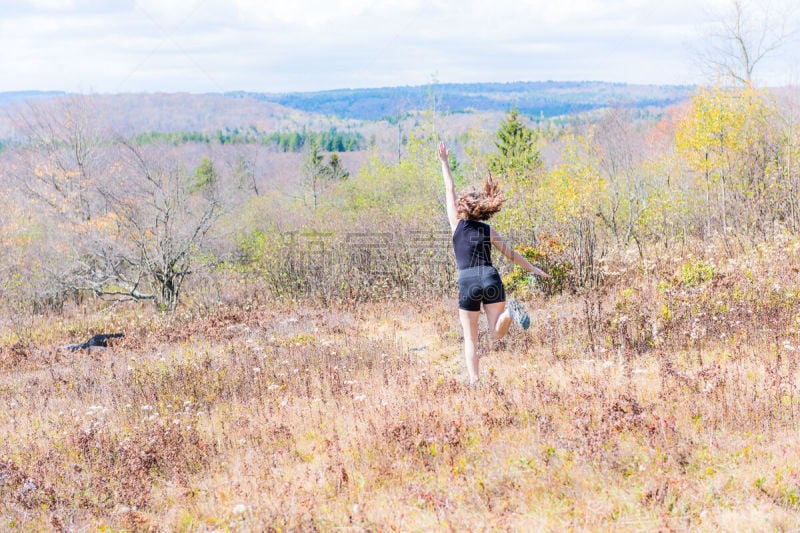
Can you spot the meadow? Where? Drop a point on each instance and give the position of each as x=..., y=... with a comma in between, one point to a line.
x=302, y=417
x=308, y=374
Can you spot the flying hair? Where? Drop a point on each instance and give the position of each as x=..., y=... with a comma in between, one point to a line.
x=477, y=204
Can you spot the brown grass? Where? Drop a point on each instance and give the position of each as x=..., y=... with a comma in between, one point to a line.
x=665, y=401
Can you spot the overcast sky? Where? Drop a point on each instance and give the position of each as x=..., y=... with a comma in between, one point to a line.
x=197, y=46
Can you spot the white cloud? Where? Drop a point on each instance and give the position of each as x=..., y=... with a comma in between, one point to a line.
x=11, y=8
x=276, y=45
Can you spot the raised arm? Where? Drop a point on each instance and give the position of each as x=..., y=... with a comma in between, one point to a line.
x=514, y=255
x=449, y=187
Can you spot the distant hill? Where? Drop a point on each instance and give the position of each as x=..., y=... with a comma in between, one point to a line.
x=138, y=113
x=21, y=96
x=548, y=98
x=345, y=109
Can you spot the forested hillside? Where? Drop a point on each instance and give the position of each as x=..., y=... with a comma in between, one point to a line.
x=22, y=96
x=547, y=99
x=345, y=108
x=134, y=114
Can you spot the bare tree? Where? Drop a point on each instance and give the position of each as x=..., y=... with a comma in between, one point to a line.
x=162, y=218
x=620, y=152
x=744, y=35
x=62, y=155
x=133, y=218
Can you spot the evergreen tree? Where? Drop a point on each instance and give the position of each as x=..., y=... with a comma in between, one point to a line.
x=335, y=170
x=205, y=176
x=517, y=144
x=319, y=175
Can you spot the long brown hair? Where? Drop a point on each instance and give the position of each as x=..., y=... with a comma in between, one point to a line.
x=476, y=204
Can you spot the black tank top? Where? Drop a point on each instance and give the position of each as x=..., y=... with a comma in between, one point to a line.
x=472, y=244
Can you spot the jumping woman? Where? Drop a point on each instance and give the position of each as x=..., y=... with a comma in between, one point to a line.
x=478, y=281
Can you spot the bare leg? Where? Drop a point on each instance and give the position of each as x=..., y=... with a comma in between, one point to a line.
x=499, y=319
x=469, y=323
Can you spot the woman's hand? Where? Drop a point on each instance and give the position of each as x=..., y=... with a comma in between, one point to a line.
x=443, y=153
x=541, y=273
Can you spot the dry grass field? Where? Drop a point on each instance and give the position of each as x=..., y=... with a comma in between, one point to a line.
x=667, y=401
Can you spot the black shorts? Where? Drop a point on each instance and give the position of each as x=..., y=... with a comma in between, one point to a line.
x=479, y=285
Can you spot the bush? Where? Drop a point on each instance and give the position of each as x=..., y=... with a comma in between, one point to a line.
x=549, y=256
x=696, y=273
x=351, y=266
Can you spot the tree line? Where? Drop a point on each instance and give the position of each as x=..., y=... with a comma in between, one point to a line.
x=329, y=141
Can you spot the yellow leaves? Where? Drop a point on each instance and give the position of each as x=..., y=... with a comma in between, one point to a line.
x=718, y=124
x=573, y=189
x=16, y=232
x=45, y=170
x=575, y=186
x=407, y=189
x=41, y=170
x=728, y=139
x=108, y=224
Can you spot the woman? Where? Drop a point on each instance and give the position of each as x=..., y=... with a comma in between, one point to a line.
x=478, y=281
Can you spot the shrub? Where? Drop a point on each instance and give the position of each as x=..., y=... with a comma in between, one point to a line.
x=696, y=273
x=549, y=256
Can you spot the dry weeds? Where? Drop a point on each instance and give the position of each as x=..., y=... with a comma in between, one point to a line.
x=665, y=402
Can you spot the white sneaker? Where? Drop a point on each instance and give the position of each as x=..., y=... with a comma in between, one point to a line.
x=518, y=313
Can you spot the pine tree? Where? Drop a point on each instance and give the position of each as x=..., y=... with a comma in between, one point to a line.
x=335, y=170
x=205, y=176
x=518, y=154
